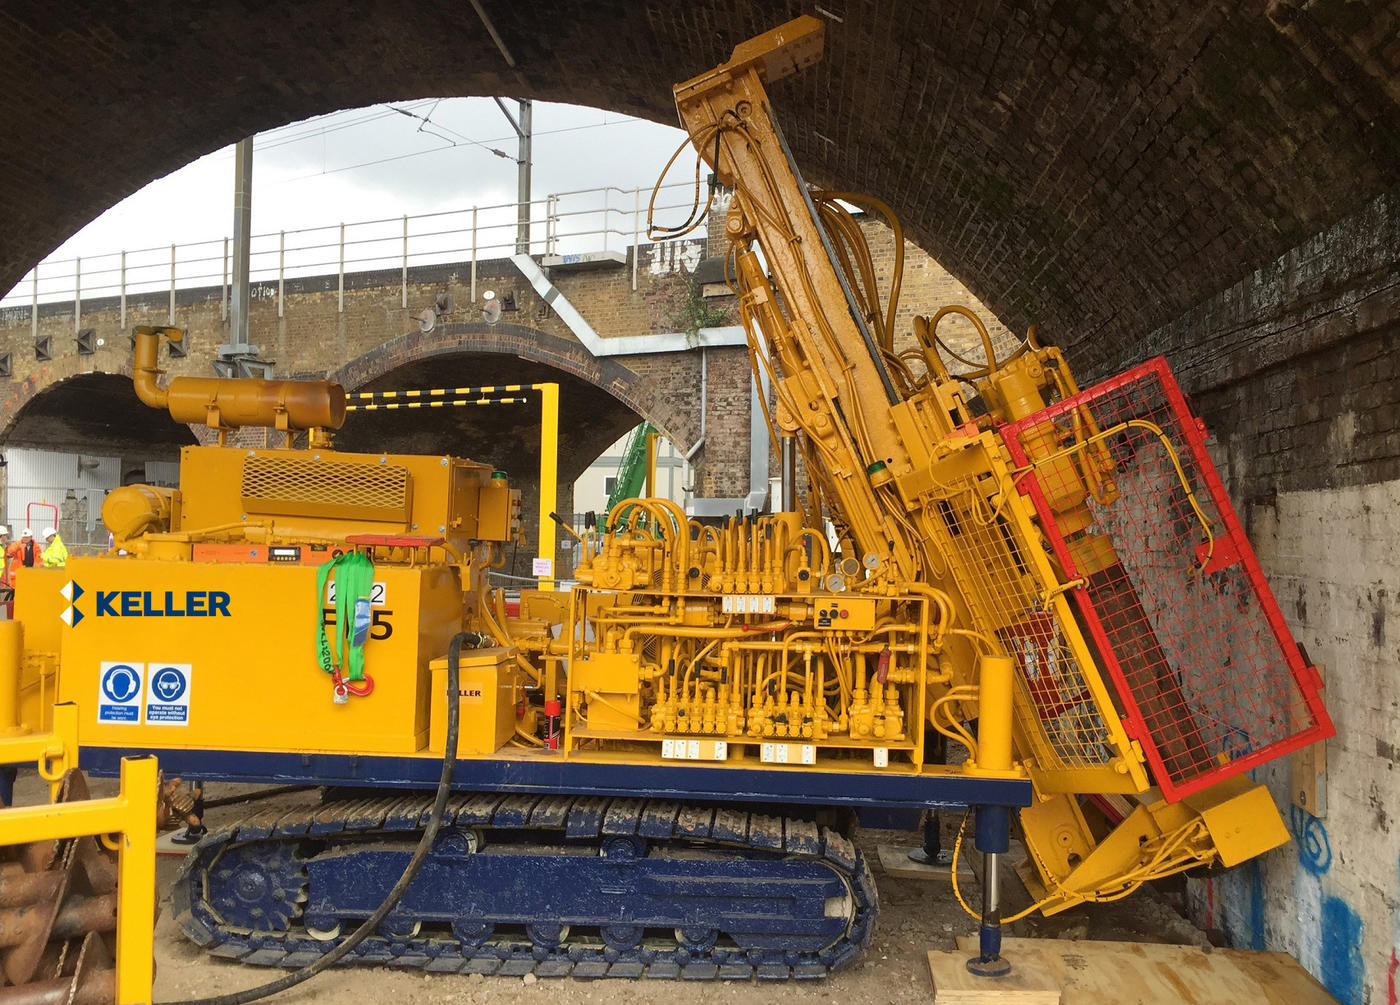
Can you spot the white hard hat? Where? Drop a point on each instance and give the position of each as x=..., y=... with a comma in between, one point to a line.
x=48, y=533
x=26, y=533
x=4, y=531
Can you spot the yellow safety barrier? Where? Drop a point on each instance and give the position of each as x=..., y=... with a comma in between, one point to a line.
x=124, y=823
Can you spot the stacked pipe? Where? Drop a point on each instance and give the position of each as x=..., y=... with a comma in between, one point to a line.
x=58, y=917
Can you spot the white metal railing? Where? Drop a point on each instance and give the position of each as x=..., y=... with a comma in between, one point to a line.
x=586, y=220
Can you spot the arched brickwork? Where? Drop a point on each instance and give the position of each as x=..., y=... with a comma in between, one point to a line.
x=599, y=400
x=645, y=398
x=1096, y=167
x=24, y=390
x=89, y=412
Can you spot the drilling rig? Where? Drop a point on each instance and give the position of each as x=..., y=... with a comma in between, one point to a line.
x=652, y=771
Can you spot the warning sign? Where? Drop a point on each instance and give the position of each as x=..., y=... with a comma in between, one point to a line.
x=168, y=695
x=119, y=692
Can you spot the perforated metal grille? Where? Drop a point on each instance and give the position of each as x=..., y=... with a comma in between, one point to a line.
x=1053, y=703
x=282, y=480
x=1209, y=676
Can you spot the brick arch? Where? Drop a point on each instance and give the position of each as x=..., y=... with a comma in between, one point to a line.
x=641, y=396
x=1098, y=168
x=27, y=388
x=70, y=406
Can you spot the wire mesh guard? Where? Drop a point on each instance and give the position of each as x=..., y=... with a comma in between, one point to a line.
x=1210, y=680
x=1058, y=714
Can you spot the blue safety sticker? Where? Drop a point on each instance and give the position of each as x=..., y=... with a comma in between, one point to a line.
x=168, y=695
x=119, y=687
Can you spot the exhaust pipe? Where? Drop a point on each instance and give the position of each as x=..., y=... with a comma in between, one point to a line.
x=220, y=403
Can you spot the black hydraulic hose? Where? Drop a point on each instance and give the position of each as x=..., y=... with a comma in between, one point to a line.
x=425, y=844
x=250, y=797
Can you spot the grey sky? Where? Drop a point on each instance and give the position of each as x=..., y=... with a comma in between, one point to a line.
x=377, y=162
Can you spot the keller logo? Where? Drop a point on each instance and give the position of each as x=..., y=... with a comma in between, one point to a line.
x=145, y=603
x=71, y=592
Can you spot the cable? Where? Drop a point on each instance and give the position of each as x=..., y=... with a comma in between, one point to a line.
x=249, y=797
x=452, y=145
x=420, y=854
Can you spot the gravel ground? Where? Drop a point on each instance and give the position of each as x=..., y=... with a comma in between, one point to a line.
x=915, y=917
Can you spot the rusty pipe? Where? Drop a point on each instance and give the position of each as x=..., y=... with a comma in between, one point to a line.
x=77, y=917
x=94, y=987
x=19, y=888
x=228, y=403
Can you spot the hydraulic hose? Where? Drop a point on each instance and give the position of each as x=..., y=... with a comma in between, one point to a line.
x=425, y=844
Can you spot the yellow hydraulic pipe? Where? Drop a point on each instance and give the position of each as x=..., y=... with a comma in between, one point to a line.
x=651, y=464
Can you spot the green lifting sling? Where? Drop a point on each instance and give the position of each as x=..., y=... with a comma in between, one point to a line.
x=354, y=579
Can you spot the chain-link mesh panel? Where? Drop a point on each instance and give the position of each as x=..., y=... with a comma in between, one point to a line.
x=1209, y=676
x=1053, y=704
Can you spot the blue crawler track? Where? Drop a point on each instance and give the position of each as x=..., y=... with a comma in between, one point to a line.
x=552, y=885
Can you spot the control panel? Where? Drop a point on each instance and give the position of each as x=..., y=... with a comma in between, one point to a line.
x=840, y=613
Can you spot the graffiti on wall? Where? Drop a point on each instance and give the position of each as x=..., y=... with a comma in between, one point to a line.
x=670, y=257
x=1314, y=848
x=1342, y=970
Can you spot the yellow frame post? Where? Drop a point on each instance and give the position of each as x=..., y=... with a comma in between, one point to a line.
x=136, y=881
x=549, y=476
x=652, y=451
x=125, y=822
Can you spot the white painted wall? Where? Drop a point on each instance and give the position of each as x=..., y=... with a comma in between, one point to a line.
x=75, y=483
x=1332, y=897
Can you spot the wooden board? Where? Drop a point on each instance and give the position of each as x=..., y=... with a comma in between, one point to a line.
x=1126, y=973
x=1310, y=774
x=895, y=861
x=1030, y=982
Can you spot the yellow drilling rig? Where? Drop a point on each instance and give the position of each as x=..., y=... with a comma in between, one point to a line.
x=649, y=773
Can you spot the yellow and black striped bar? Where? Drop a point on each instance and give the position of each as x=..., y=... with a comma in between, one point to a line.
x=441, y=392
x=389, y=406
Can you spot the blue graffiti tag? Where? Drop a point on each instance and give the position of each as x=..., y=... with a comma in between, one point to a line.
x=1256, y=905
x=1314, y=850
x=1343, y=971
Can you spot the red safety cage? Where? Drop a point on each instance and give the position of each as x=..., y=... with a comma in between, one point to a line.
x=1208, y=677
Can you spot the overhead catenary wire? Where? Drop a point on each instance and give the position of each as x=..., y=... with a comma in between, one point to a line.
x=386, y=112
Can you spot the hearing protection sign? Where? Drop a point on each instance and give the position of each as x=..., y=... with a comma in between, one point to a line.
x=119, y=687
x=156, y=693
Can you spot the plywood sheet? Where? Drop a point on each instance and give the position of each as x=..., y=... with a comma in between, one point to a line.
x=1030, y=982
x=895, y=861
x=1128, y=973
